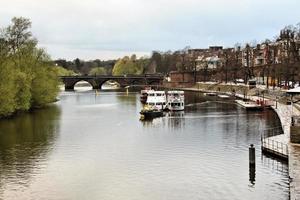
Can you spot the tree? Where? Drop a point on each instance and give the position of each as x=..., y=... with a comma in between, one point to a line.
x=18, y=33
x=126, y=66
x=98, y=71
x=27, y=75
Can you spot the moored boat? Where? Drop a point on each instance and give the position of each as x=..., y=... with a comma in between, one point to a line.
x=210, y=94
x=156, y=99
x=249, y=105
x=223, y=96
x=175, y=100
x=149, y=112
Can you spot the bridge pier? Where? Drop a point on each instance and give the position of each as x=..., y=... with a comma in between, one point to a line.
x=69, y=87
x=96, y=87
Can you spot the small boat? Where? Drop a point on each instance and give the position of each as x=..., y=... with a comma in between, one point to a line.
x=175, y=100
x=223, y=96
x=149, y=112
x=249, y=105
x=210, y=94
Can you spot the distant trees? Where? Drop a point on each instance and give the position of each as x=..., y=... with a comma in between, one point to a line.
x=130, y=65
x=27, y=76
x=289, y=56
x=85, y=67
x=98, y=71
x=60, y=71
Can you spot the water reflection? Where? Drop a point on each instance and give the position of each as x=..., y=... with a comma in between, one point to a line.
x=25, y=142
x=252, y=174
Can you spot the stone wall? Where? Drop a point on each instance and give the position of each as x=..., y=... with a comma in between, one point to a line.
x=223, y=88
x=182, y=77
x=295, y=134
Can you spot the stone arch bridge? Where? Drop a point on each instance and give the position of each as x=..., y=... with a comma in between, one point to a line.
x=126, y=80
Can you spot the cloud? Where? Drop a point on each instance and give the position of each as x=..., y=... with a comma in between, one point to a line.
x=112, y=28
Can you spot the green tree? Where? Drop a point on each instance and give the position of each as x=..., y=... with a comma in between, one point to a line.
x=60, y=71
x=98, y=71
x=128, y=65
x=27, y=75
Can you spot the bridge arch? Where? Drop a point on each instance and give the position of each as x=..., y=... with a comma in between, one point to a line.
x=70, y=83
x=110, y=84
x=83, y=85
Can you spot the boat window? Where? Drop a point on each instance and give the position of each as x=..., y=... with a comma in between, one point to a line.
x=151, y=95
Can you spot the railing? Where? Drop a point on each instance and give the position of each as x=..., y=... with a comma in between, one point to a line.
x=270, y=145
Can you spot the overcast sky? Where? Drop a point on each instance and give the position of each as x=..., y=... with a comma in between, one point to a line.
x=104, y=29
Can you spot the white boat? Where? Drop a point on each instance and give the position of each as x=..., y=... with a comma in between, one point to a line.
x=175, y=100
x=249, y=105
x=223, y=96
x=210, y=94
x=156, y=99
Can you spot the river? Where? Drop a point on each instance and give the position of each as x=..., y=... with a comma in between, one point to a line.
x=93, y=146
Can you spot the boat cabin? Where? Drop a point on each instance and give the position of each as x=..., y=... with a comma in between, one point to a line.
x=156, y=99
x=175, y=100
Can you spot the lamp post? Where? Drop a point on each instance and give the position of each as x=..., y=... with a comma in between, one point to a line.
x=195, y=75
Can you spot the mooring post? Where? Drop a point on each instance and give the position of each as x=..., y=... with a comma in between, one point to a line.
x=252, y=155
x=252, y=164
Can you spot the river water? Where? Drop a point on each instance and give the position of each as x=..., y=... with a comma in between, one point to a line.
x=93, y=146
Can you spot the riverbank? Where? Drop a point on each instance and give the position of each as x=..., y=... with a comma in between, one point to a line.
x=283, y=111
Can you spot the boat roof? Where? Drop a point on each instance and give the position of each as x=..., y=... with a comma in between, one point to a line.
x=147, y=90
x=176, y=92
x=156, y=92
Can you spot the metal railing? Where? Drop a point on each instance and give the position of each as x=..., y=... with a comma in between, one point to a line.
x=269, y=143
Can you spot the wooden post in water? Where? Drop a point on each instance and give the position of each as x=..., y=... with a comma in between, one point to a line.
x=252, y=155
x=252, y=164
